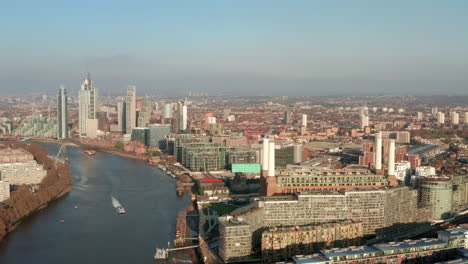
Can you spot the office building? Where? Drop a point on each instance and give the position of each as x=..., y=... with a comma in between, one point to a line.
x=140, y=134
x=157, y=135
x=87, y=108
x=242, y=157
x=62, y=113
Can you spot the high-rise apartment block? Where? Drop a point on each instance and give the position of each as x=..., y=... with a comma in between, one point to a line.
x=144, y=115
x=440, y=118
x=121, y=117
x=62, y=113
x=88, y=106
x=284, y=242
x=130, y=109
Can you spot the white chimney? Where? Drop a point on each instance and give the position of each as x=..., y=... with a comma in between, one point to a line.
x=378, y=151
x=391, y=158
x=271, y=159
x=265, y=154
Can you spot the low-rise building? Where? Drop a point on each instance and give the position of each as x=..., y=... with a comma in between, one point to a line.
x=214, y=189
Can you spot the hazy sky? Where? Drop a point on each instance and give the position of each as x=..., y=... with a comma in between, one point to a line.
x=287, y=47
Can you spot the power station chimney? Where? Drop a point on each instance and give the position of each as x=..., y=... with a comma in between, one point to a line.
x=265, y=155
x=391, y=164
x=271, y=158
x=391, y=158
x=378, y=152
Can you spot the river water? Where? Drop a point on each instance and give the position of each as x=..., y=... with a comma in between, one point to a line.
x=92, y=231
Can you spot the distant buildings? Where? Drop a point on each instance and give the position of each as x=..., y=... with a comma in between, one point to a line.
x=440, y=118
x=87, y=108
x=37, y=127
x=167, y=112
x=454, y=118
x=62, y=113
x=304, y=120
x=364, y=117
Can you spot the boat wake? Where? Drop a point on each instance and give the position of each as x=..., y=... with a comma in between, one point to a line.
x=115, y=202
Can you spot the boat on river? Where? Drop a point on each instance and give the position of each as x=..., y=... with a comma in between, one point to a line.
x=89, y=152
x=120, y=210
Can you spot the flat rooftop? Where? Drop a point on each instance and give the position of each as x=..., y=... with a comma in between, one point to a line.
x=309, y=259
x=407, y=244
x=341, y=252
x=457, y=231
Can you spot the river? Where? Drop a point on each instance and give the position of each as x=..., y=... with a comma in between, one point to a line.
x=92, y=231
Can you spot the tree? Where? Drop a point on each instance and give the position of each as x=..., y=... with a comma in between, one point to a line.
x=119, y=145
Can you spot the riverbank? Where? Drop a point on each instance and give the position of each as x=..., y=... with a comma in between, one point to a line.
x=75, y=143
x=25, y=201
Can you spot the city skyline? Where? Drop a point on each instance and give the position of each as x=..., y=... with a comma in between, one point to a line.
x=240, y=48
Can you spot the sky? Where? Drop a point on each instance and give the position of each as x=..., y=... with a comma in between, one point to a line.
x=241, y=47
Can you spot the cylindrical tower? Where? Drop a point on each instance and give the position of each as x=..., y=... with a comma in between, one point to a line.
x=436, y=192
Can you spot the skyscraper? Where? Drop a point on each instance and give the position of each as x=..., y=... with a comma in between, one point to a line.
x=121, y=114
x=88, y=105
x=364, y=117
x=62, y=113
x=130, y=109
x=182, y=115
x=144, y=115
x=167, y=110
